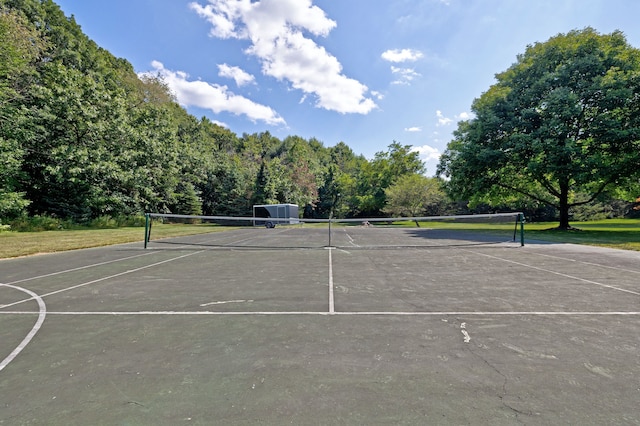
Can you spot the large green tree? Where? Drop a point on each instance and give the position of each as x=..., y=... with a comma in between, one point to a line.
x=415, y=195
x=380, y=173
x=20, y=47
x=561, y=126
x=82, y=136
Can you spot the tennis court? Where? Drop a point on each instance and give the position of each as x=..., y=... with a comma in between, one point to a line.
x=275, y=326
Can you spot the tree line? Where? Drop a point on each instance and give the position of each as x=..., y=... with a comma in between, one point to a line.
x=83, y=136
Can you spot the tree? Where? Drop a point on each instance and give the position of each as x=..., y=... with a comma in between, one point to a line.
x=562, y=122
x=19, y=48
x=386, y=167
x=414, y=195
x=337, y=193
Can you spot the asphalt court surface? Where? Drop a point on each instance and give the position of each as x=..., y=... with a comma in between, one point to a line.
x=247, y=328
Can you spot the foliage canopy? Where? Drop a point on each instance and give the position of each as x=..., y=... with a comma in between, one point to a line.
x=82, y=136
x=561, y=126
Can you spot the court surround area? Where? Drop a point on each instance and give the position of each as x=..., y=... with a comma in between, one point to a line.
x=273, y=326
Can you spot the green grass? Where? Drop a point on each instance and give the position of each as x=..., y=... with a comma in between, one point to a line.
x=16, y=244
x=621, y=234
x=614, y=233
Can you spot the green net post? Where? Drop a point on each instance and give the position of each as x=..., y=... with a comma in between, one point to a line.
x=147, y=229
x=521, y=216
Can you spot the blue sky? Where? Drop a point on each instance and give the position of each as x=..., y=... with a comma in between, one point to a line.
x=364, y=72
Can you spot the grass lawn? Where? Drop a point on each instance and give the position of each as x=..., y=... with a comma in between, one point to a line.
x=15, y=244
x=614, y=233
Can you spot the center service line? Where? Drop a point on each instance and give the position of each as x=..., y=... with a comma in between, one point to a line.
x=331, y=302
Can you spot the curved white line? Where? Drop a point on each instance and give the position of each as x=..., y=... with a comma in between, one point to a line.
x=41, y=315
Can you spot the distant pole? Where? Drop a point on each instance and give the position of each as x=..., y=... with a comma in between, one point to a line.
x=521, y=229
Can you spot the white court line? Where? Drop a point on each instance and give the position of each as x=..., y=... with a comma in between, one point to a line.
x=331, y=298
x=351, y=240
x=103, y=279
x=558, y=273
x=324, y=313
x=568, y=259
x=42, y=313
x=224, y=302
x=80, y=268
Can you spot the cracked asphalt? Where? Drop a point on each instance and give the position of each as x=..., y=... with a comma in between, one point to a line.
x=544, y=334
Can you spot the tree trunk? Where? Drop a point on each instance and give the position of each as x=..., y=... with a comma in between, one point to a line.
x=564, y=207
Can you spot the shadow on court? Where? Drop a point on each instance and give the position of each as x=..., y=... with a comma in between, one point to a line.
x=193, y=335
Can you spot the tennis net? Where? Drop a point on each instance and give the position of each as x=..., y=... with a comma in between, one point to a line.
x=361, y=233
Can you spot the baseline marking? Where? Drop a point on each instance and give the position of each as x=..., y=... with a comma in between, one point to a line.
x=322, y=313
x=42, y=313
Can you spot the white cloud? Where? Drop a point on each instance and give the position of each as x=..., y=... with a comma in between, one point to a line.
x=442, y=120
x=405, y=75
x=214, y=97
x=413, y=129
x=446, y=121
x=427, y=153
x=276, y=30
x=377, y=95
x=241, y=77
x=402, y=55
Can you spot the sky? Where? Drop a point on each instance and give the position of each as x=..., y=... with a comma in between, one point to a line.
x=363, y=72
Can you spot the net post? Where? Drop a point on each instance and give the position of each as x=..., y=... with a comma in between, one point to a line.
x=147, y=229
x=521, y=218
x=330, y=219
